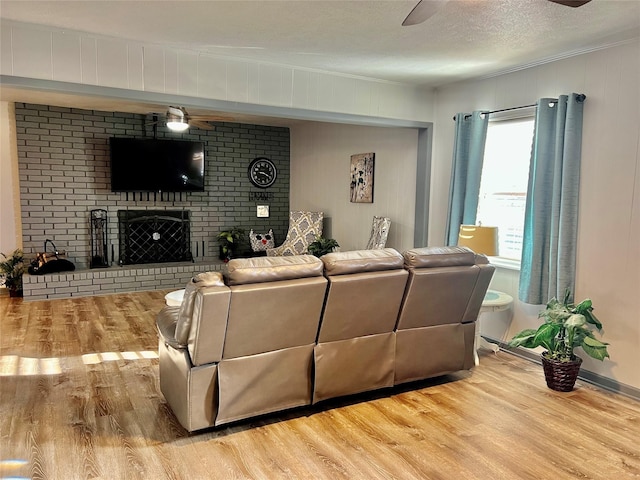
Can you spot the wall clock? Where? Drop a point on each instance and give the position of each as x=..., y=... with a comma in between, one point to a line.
x=262, y=172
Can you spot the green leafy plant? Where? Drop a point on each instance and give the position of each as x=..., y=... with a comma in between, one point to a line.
x=230, y=240
x=321, y=246
x=11, y=270
x=566, y=326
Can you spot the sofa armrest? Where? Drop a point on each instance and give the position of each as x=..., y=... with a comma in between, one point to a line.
x=207, y=331
x=166, y=322
x=185, y=314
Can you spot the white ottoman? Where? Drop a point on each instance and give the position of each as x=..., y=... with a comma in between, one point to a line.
x=174, y=299
x=494, y=301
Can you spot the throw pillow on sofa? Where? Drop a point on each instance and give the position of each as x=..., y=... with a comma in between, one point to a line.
x=261, y=241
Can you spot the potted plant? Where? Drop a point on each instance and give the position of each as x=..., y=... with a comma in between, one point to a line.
x=566, y=326
x=11, y=271
x=230, y=240
x=321, y=246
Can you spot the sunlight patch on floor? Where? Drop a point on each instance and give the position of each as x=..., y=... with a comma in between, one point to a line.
x=93, y=358
x=15, y=365
x=9, y=468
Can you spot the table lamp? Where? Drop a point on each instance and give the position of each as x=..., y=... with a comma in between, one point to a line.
x=480, y=239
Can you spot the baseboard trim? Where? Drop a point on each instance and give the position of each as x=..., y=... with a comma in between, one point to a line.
x=585, y=375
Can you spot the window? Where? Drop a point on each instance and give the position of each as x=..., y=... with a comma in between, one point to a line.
x=503, y=187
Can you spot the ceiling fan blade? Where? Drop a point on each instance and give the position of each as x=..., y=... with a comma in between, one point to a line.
x=154, y=119
x=198, y=121
x=201, y=124
x=422, y=11
x=571, y=3
x=211, y=118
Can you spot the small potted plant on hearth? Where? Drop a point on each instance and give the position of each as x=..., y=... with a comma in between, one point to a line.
x=566, y=326
x=11, y=271
x=230, y=240
x=321, y=246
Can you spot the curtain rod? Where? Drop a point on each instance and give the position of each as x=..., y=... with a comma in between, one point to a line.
x=580, y=98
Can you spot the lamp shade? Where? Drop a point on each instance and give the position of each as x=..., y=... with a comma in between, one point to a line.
x=480, y=239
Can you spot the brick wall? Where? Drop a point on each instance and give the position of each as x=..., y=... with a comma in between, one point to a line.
x=63, y=157
x=101, y=281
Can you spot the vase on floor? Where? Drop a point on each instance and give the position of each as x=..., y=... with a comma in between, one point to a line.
x=561, y=376
x=14, y=292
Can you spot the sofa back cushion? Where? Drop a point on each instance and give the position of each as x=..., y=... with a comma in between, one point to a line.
x=270, y=316
x=437, y=296
x=430, y=257
x=360, y=261
x=241, y=271
x=276, y=303
x=446, y=286
x=365, y=291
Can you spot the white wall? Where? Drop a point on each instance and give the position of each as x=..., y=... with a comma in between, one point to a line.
x=608, y=256
x=45, y=53
x=320, y=177
x=10, y=227
x=608, y=263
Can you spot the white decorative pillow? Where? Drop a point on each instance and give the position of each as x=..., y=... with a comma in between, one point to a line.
x=261, y=241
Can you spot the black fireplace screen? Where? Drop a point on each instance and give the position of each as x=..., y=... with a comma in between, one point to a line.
x=154, y=236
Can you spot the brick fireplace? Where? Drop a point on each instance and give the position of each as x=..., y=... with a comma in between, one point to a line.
x=63, y=159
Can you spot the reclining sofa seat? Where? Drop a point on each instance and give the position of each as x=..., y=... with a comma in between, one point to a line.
x=355, y=351
x=246, y=344
x=242, y=347
x=436, y=326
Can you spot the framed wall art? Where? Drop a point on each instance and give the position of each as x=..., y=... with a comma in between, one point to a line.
x=362, y=168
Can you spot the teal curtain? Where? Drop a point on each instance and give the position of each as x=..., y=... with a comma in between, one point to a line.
x=551, y=213
x=468, y=155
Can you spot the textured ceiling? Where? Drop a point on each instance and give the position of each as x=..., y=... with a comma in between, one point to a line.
x=465, y=39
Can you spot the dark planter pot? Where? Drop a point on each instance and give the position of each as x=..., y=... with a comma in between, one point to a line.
x=561, y=376
x=15, y=293
x=225, y=257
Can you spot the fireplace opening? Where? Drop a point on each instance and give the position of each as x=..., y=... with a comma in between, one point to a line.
x=154, y=236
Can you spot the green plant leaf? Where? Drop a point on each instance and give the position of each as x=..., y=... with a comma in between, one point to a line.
x=566, y=327
x=321, y=246
x=524, y=339
x=575, y=320
x=584, y=305
x=546, y=335
x=592, y=319
x=12, y=269
x=595, y=348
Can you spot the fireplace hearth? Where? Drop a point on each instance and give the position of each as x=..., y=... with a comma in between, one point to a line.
x=154, y=236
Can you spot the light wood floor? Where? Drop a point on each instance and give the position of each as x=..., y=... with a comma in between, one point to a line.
x=79, y=399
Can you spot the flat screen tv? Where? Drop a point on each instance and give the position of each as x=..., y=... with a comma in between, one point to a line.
x=151, y=165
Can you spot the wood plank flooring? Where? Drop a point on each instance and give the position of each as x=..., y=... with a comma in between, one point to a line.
x=79, y=399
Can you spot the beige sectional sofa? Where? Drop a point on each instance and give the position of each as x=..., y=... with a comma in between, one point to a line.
x=281, y=332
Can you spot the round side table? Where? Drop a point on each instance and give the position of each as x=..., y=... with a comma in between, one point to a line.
x=494, y=301
x=174, y=299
